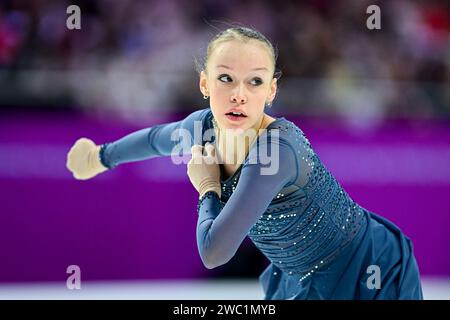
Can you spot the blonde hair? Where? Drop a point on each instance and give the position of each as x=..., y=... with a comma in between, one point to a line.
x=243, y=34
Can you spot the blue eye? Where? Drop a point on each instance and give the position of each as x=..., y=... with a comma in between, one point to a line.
x=258, y=81
x=223, y=76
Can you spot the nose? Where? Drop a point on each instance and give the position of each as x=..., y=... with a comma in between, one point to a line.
x=239, y=96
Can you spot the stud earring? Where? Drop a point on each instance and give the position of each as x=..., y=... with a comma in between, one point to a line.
x=205, y=97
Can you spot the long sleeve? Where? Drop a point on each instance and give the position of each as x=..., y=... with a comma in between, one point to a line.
x=222, y=228
x=158, y=140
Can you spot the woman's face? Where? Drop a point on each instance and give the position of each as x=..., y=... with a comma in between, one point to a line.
x=239, y=76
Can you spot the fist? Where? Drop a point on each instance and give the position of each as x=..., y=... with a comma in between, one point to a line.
x=83, y=159
x=204, y=170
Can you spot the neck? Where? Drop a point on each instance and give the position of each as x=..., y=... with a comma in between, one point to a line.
x=233, y=147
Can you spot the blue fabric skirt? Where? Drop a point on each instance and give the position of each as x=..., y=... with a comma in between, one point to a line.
x=381, y=244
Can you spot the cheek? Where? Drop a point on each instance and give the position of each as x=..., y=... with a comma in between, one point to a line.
x=219, y=93
x=260, y=97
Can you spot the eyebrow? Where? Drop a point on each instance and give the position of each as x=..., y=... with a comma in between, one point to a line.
x=227, y=67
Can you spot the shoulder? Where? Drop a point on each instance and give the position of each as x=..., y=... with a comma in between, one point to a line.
x=274, y=150
x=290, y=135
x=199, y=115
x=195, y=119
x=286, y=129
x=282, y=132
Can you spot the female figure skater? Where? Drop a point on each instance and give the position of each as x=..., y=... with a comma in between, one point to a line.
x=321, y=244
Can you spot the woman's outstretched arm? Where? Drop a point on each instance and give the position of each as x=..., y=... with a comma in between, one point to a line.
x=221, y=229
x=150, y=142
x=86, y=159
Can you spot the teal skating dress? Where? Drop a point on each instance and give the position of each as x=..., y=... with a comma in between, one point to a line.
x=320, y=243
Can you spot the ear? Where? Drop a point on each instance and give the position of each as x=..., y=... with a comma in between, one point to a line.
x=273, y=90
x=203, y=83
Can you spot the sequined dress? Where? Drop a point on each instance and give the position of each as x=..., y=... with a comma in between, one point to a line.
x=320, y=243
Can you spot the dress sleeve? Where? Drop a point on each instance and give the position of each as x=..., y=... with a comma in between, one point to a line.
x=222, y=228
x=158, y=140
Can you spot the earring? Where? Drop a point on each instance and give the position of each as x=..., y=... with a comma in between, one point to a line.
x=269, y=104
x=205, y=97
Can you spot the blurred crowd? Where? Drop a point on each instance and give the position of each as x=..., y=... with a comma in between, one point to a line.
x=136, y=58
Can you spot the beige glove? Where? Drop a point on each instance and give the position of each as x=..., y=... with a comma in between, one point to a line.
x=204, y=171
x=83, y=159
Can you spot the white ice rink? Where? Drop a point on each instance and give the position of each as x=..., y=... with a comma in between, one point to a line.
x=433, y=288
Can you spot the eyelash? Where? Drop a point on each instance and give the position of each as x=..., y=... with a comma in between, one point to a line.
x=225, y=75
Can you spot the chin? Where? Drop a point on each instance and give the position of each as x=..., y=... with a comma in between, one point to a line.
x=237, y=128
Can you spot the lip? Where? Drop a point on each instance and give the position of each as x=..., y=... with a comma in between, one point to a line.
x=236, y=110
x=235, y=118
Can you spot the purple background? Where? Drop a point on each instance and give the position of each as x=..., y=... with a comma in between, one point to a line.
x=138, y=220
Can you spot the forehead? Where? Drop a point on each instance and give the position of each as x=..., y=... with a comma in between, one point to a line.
x=241, y=55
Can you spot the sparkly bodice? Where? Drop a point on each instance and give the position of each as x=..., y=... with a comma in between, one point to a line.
x=308, y=223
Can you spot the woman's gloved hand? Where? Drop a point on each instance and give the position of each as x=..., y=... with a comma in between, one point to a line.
x=204, y=171
x=83, y=159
